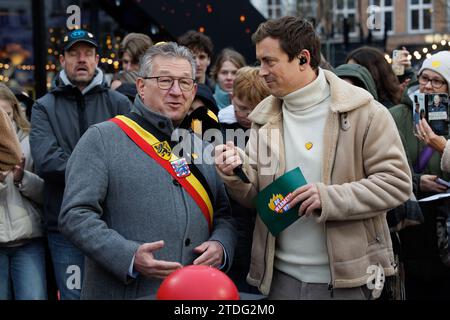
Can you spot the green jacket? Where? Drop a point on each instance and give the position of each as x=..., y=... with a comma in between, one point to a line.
x=419, y=243
x=403, y=116
x=360, y=74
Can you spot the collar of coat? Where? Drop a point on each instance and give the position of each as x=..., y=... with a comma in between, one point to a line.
x=344, y=98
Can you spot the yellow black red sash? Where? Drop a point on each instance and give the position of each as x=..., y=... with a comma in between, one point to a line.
x=145, y=140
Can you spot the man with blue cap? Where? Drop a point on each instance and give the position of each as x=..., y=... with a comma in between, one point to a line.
x=78, y=99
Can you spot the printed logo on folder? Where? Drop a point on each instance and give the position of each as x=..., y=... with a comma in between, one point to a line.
x=271, y=201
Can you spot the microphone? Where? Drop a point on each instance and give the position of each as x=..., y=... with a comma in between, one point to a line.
x=240, y=173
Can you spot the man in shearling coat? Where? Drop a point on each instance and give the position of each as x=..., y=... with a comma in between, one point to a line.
x=127, y=204
x=350, y=153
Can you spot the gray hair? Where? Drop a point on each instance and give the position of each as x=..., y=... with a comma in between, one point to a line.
x=167, y=50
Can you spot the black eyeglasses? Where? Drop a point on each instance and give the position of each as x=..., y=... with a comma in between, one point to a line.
x=435, y=83
x=165, y=82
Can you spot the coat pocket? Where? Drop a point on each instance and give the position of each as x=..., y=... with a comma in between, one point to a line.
x=371, y=231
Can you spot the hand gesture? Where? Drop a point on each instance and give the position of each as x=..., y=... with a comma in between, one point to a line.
x=18, y=171
x=211, y=254
x=146, y=264
x=427, y=136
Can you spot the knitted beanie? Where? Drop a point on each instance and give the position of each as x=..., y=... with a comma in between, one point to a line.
x=440, y=63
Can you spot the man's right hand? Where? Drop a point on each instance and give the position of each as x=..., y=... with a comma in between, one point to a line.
x=148, y=266
x=227, y=158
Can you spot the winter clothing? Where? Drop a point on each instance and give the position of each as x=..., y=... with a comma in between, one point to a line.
x=222, y=97
x=360, y=75
x=59, y=119
x=425, y=274
x=20, y=216
x=133, y=201
x=364, y=174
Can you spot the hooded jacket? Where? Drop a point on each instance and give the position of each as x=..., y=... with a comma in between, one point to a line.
x=58, y=121
x=365, y=173
x=360, y=74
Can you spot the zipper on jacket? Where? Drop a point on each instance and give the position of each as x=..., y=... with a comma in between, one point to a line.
x=331, y=289
x=330, y=285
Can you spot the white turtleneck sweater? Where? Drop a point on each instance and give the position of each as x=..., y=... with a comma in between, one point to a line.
x=301, y=250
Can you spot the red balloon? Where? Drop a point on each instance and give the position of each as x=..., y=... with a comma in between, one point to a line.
x=197, y=283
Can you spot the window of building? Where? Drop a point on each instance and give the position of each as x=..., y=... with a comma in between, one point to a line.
x=345, y=10
x=308, y=9
x=420, y=15
x=386, y=16
x=274, y=9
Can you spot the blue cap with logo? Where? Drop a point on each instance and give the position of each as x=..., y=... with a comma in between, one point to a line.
x=78, y=35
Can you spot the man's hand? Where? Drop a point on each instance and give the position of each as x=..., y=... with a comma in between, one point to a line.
x=211, y=254
x=18, y=171
x=148, y=266
x=428, y=184
x=310, y=198
x=227, y=158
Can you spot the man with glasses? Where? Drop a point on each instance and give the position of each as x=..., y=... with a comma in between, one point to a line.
x=426, y=277
x=148, y=211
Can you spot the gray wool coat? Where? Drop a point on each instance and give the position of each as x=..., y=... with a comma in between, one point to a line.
x=117, y=198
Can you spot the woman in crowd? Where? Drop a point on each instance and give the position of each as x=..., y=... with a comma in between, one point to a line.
x=224, y=72
x=388, y=87
x=22, y=251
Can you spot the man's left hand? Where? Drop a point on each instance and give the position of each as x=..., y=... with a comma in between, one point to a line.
x=310, y=198
x=211, y=254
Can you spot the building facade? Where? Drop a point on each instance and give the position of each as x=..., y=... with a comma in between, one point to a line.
x=422, y=26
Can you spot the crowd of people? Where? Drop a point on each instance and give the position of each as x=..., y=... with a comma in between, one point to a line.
x=99, y=201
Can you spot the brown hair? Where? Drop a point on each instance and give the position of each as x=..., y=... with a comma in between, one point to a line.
x=295, y=34
x=386, y=82
x=196, y=41
x=135, y=44
x=249, y=86
x=227, y=54
x=18, y=115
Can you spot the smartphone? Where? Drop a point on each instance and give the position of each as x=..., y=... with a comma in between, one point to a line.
x=443, y=182
x=399, y=69
x=437, y=112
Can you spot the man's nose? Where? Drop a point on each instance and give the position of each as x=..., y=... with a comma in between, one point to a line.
x=263, y=71
x=175, y=89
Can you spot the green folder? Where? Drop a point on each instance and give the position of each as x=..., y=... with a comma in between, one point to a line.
x=270, y=202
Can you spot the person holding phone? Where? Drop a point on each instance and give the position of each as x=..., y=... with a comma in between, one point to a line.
x=426, y=276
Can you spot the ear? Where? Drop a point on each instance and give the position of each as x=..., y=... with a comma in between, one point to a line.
x=97, y=59
x=140, y=86
x=304, y=57
x=62, y=61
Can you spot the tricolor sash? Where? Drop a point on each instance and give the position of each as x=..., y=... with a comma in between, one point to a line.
x=194, y=183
